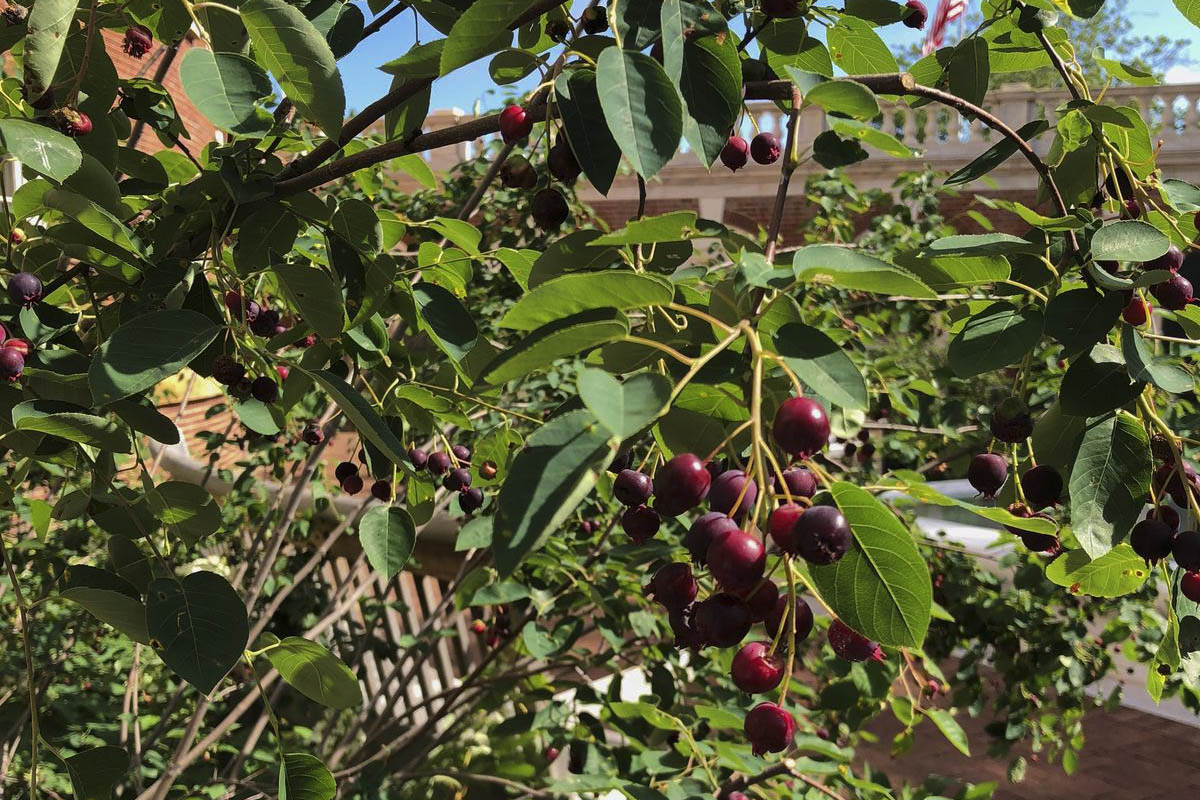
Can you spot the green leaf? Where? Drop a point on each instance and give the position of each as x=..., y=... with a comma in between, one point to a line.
x=305, y=777
x=669, y=227
x=640, y=23
x=482, y=29
x=555, y=470
x=881, y=587
x=93, y=217
x=968, y=69
x=388, y=536
x=445, y=319
x=709, y=77
x=1081, y=318
x=510, y=66
x=1109, y=482
x=578, y=102
x=1129, y=240
x=1097, y=383
x=641, y=107
x=857, y=49
x=296, y=53
x=869, y=134
x=44, y=150
x=847, y=268
x=364, y=418
x=1143, y=366
x=997, y=336
x=198, y=626
x=74, y=427
x=47, y=27
x=941, y=273
x=927, y=494
x=1118, y=572
x=948, y=725
x=997, y=154
x=107, y=597
x=845, y=97
x=821, y=365
x=317, y=297
x=146, y=350
x=570, y=336
x=1190, y=9
x=421, y=61
x=1182, y=196
x=224, y=87
x=145, y=418
x=570, y=294
x=624, y=408
x=186, y=508
x=95, y=773
x=315, y=672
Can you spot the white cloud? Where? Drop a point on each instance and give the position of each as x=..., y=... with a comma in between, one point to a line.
x=1182, y=74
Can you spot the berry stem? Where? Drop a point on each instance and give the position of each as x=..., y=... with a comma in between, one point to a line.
x=671, y=351
x=1172, y=442
x=698, y=363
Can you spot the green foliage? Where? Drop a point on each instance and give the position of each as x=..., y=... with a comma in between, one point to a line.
x=229, y=622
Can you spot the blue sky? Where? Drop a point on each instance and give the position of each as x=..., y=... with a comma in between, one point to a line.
x=470, y=85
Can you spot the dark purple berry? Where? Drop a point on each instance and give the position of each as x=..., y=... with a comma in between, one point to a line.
x=313, y=434
x=264, y=389
x=138, y=41
x=640, y=523
x=382, y=490
x=723, y=620
x=12, y=364
x=673, y=586
x=1186, y=549
x=549, y=209
x=418, y=458
x=704, y=531
x=439, y=462
x=733, y=493
x=800, y=482
x=680, y=484
x=1152, y=539
x=737, y=561
x=803, y=615
x=1174, y=294
x=801, y=427
x=470, y=500
x=1043, y=486
x=457, y=479
x=756, y=669
x=24, y=289
x=227, y=370
x=821, y=535
x=917, y=15
x=850, y=645
x=353, y=484
x=735, y=153
x=987, y=473
x=764, y=148
x=632, y=488
x=344, y=470
x=769, y=728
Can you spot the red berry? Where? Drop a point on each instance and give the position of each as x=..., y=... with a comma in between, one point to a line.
x=1186, y=549
x=761, y=600
x=561, y=162
x=800, y=482
x=756, y=669
x=71, y=122
x=457, y=479
x=24, y=289
x=737, y=561
x=632, y=488
x=680, y=484
x=264, y=389
x=1189, y=584
x=439, y=462
x=1174, y=294
x=987, y=473
x=1171, y=260
x=781, y=524
x=723, y=620
x=801, y=427
x=20, y=345
x=726, y=491
x=917, y=15
x=549, y=209
x=803, y=615
x=353, y=484
x=673, y=586
x=515, y=124
x=1136, y=312
x=735, y=153
x=1043, y=486
x=16, y=236
x=12, y=364
x=769, y=728
x=704, y=531
x=479, y=627
x=382, y=490
x=822, y=535
x=470, y=500
x=138, y=41
x=764, y=148
x=1168, y=515
x=850, y=645
x=282, y=371
x=313, y=434
x=551, y=753
x=1151, y=539
x=640, y=523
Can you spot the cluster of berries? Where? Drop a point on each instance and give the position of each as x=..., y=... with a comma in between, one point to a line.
x=226, y=369
x=24, y=289
x=548, y=207
x=451, y=467
x=1158, y=536
x=351, y=482
x=736, y=560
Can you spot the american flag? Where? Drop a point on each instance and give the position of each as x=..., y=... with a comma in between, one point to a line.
x=948, y=11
